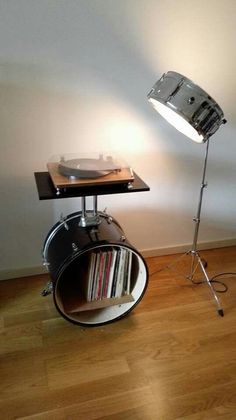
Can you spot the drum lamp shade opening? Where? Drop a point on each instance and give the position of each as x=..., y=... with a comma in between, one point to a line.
x=177, y=121
x=186, y=106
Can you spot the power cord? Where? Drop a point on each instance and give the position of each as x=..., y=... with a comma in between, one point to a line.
x=212, y=280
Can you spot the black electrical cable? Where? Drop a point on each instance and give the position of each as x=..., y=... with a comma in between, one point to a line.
x=219, y=275
x=212, y=280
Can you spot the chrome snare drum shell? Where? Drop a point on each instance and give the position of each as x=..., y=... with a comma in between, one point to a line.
x=188, y=100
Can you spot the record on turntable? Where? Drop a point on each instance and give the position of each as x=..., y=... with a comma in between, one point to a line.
x=79, y=170
x=87, y=168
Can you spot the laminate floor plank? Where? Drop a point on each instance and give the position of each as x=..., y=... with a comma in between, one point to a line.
x=171, y=358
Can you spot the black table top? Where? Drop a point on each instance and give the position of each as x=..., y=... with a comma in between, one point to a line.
x=47, y=191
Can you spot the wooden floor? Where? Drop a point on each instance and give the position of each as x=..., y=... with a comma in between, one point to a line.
x=172, y=357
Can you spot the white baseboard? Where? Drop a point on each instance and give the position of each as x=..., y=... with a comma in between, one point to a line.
x=21, y=272
x=178, y=249
x=151, y=252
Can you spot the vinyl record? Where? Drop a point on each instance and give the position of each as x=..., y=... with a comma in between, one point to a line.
x=86, y=168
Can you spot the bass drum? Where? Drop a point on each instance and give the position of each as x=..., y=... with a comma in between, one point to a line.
x=67, y=253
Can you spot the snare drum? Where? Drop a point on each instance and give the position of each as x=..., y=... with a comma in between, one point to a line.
x=67, y=252
x=181, y=95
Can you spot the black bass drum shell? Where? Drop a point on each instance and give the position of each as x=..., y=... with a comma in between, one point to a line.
x=67, y=250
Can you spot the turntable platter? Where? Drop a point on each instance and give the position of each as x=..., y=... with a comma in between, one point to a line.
x=86, y=168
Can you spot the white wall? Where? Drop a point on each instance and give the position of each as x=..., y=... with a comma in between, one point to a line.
x=74, y=75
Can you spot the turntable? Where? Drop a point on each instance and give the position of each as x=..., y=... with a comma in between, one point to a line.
x=68, y=171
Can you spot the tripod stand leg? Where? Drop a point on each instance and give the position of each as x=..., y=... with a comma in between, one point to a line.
x=194, y=264
x=220, y=309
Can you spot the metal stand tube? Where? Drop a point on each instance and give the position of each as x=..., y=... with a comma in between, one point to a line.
x=90, y=218
x=194, y=252
x=196, y=260
x=95, y=205
x=203, y=185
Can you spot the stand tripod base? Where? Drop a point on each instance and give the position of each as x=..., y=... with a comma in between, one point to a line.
x=221, y=312
x=198, y=262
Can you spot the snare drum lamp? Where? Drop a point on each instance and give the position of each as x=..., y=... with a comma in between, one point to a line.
x=194, y=113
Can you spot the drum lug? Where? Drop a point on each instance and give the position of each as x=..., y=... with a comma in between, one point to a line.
x=74, y=247
x=122, y=238
x=48, y=289
x=109, y=219
x=46, y=263
x=63, y=221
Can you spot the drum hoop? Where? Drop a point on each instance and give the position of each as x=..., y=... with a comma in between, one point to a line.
x=205, y=133
x=185, y=80
x=180, y=81
x=90, y=325
x=59, y=225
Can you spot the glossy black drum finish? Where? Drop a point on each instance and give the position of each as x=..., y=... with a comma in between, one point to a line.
x=66, y=251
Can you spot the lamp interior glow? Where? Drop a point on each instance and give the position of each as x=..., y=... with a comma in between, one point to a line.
x=177, y=121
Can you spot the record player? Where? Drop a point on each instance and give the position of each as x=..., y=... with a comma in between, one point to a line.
x=75, y=170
